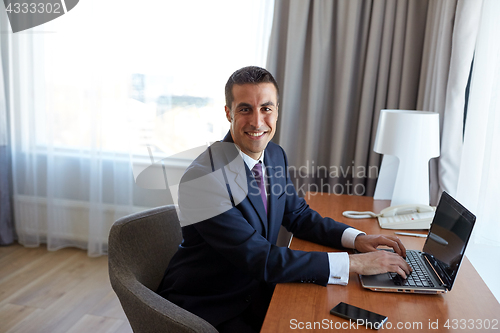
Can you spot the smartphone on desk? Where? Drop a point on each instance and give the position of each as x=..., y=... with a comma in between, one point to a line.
x=359, y=316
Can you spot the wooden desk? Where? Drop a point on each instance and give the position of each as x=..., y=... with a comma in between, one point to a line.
x=294, y=305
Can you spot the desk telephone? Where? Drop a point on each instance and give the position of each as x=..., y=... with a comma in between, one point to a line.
x=404, y=217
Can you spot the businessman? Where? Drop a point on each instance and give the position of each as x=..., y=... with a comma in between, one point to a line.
x=233, y=199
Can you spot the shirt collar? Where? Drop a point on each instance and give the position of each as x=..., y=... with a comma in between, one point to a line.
x=250, y=162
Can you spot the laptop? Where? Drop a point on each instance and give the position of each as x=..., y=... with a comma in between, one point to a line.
x=435, y=268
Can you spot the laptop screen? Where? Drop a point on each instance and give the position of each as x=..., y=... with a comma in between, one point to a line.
x=450, y=231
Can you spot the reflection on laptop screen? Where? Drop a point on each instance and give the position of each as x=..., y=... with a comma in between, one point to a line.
x=450, y=231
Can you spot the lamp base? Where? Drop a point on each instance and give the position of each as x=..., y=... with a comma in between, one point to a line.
x=403, y=183
x=386, y=178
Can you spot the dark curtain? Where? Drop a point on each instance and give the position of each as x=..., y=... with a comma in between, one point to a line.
x=6, y=220
x=6, y=216
x=338, y=63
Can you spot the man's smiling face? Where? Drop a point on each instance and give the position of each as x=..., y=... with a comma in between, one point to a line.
x=253, y=116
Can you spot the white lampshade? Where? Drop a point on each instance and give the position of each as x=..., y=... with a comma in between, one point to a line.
x=408, y=140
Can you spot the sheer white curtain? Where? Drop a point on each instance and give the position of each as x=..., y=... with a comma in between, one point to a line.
x=467, y=19
x=93, y=89
x=479, y=177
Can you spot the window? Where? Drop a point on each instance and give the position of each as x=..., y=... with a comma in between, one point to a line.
x=124, y=76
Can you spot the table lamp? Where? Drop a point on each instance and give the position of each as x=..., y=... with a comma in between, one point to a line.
x=408, y=140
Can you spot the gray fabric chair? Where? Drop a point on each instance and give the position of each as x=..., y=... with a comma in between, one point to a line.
x=140, y=248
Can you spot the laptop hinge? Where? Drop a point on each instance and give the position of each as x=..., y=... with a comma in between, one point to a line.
x=435, y=272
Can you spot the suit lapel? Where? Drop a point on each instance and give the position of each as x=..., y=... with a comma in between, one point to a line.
x=276, y=187
x=256, y=200
x=240, y=174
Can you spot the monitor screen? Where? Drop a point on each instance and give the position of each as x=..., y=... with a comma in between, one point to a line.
x=450, y=231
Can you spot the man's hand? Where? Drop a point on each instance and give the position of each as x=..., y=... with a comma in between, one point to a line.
x=368, y=243
x=377, y=262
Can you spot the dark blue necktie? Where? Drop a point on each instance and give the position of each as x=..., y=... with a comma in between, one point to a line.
x=257, y=173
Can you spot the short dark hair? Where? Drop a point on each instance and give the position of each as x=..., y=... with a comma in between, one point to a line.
x=250, y=74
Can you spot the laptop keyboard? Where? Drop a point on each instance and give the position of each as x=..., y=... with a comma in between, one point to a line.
x=419, y=276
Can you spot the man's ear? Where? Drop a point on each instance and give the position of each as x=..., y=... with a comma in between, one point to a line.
x=228, y=114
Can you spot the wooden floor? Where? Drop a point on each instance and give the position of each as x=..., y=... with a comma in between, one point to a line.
x=61, y=291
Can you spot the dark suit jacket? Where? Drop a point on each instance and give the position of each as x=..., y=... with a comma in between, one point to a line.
x=223, y=258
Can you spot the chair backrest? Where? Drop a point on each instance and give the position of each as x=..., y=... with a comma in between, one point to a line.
x=139, y=249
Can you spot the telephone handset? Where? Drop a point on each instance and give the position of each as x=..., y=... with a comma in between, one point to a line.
x=403, y=217
x=406, y=217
